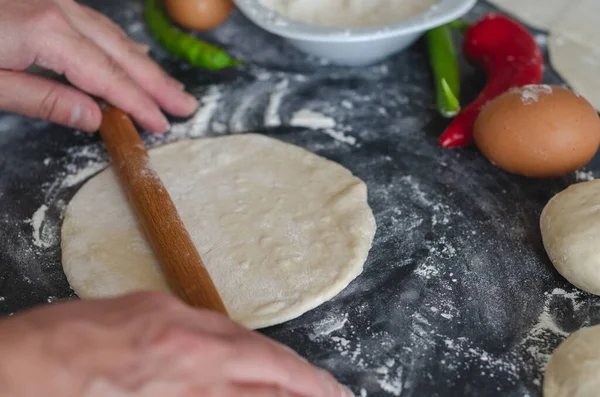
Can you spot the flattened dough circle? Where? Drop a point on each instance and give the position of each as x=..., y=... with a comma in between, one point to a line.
x=281, y=230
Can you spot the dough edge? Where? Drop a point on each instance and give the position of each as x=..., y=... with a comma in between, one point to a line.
x=345, y=276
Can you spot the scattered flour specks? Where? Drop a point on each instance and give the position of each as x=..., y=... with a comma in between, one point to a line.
x=340, y=136
x=530, y=94
x=584, y=176
x=546, y=333
x=328, y=325
x=391, y=381
x=237, y=120
x=415, y=187
x=272, y=118
x=37, y=221
x=318, y=121
x=311, y=119
x=427, y=271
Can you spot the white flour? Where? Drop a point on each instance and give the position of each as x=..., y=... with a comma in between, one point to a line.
x=349, y=13
x=584, y=176
x=530, y=94
x=328, y=325
x=546, y=333
x=272, y=118
x=318, y=121
x=37, y=221
x=311, y=119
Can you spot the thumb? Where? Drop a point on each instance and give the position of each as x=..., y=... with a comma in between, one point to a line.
x=37, y=97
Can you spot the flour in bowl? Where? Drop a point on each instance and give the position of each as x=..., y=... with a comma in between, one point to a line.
x=349, y=13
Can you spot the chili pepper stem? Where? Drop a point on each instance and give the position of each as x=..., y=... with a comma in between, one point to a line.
x=444, y=63
x=452, y=104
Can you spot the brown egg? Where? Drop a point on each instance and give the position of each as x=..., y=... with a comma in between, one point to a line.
x=199, y=14
x=538, y=131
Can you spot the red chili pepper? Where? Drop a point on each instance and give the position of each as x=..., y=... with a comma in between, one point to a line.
x=510, y=57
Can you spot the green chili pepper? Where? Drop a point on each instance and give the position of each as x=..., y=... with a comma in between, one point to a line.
x=181, y=45
x=444, y=62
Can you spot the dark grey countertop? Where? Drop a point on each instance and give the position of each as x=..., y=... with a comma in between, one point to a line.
x=458, y=297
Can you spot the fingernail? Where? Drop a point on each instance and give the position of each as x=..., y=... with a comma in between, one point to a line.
x=91, y=121
x=145, y=48
x=76, y=114
x=176, y=84
x=165, y=126
x=192, y=102
x=345, y=392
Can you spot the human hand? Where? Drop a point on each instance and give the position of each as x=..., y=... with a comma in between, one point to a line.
x=94, y=54
x=147, y=345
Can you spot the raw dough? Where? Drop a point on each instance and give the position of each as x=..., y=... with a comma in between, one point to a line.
x=579, y=22
x=281, y=230
x=573, y=44
x=578, y=65
x=573, y=370
x=532, y=12
x=570, y=226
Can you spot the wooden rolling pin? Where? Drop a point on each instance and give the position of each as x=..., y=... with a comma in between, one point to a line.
x=181, y=263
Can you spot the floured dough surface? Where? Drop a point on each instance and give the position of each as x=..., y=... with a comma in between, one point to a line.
x=579, y=65
x=574, y=367
x=533, y=12
x=570, y=225
x=575, y=50
x=281, y=230
x=579, y=23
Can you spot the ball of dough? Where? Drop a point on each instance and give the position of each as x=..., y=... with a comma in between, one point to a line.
x=570, y=226
x=574, y=369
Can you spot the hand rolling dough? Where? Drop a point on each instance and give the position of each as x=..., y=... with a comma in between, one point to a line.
x=281, y=230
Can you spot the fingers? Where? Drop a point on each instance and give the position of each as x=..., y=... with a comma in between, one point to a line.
x=253, y=391
x=166, y=91
x=87, y=67
x=111, y=26
x=251, y=358
x=46, y=99
x=266, y=364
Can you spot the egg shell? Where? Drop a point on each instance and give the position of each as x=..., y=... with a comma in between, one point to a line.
x=200, y=15
x=538, y=131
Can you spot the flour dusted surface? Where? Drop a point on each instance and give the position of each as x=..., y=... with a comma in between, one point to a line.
x=280, y=229
x=349, y=13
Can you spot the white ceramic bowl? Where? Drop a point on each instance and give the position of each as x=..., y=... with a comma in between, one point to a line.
x=354, y=47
